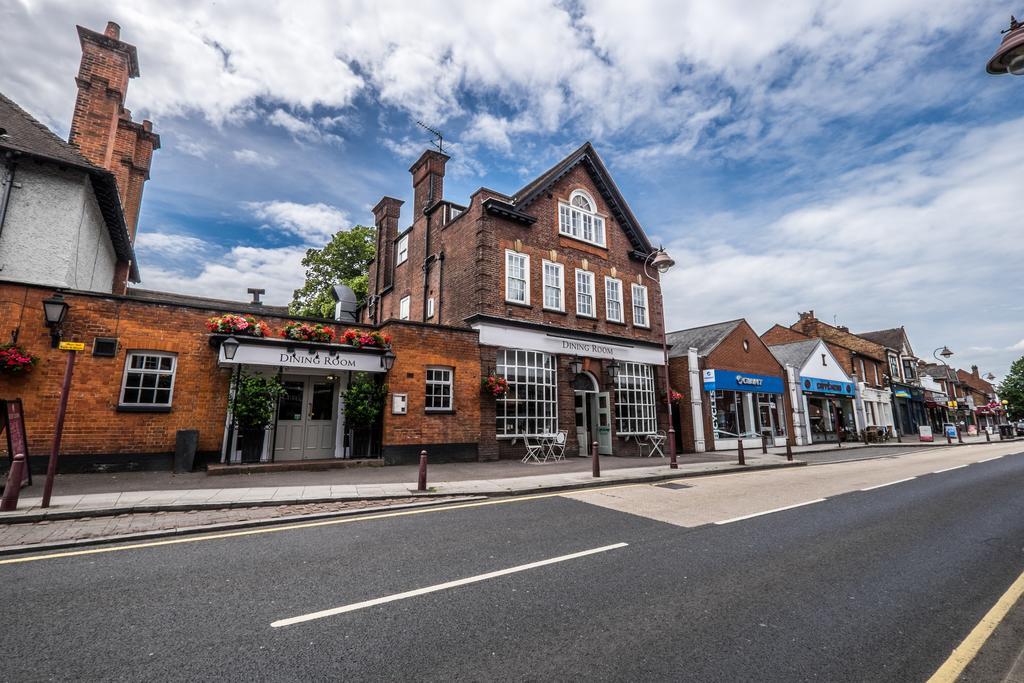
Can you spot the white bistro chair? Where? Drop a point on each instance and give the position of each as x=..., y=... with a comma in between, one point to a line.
x=556, y=448
x=534, y=449
x=655, y=442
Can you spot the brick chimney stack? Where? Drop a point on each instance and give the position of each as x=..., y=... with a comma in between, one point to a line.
x=974, y=371
x=101, y=127
x=427, y=181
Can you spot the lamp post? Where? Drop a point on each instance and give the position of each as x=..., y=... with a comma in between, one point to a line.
x=662, y=262
x=945, y=353
x=1009, y=57
x=55, y=310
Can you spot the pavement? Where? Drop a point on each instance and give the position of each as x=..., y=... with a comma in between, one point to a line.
x=860, y=571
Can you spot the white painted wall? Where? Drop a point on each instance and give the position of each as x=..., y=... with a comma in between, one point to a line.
x=814, y=366
x=54, y=233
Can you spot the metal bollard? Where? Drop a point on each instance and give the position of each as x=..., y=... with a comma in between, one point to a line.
x=949, y=439
x=789, y=451
x=595, y=462
x=13, y=488
x=764, y=444
x=739, y=448
x=899, y=436
x=988, y=436
x=959, y=436
x=866, y=441
x=422, y=484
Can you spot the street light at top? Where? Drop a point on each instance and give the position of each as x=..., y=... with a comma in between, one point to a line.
x=1009, y=58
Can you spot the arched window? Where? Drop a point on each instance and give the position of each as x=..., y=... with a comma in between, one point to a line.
x=579, y=219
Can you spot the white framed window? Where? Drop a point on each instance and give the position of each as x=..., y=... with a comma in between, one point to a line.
x=554, y=286
x=613, y=299
x=430, y=308
x=640, y=317
x=585, y=293
x=579, y=219
x=530, y=406
x=635, y=411
x=517, y=277
x=439, y=389
x=402, y=250
x=403, y=308
x=148, y=380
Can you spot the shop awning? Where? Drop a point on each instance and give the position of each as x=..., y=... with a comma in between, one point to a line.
x=307, y=357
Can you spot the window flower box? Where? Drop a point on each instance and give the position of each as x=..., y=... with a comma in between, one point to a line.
x=244, y=325
x=359, y=339
x=312, y=332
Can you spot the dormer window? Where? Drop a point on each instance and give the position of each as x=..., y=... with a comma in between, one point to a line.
x=578, y=219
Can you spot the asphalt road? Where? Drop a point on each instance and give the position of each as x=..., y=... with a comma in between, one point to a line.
x=868, y=585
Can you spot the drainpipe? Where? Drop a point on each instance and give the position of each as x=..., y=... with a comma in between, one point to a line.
x=440, y=287
x=696, y=391
x=5, y=197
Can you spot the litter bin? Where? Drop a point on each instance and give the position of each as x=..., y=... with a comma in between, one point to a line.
x=185, y=444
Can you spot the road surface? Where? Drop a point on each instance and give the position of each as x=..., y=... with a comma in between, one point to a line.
x=796, y=574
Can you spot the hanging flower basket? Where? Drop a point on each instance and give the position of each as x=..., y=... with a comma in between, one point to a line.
x=314, y=332
x=359, y=339
x=495, y=385
x=15, y=361
x=244, y=325
x=675, y=396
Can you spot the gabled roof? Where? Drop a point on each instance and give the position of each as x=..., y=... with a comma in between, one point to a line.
x=939, y=371
x=588, y=156
x=795, y=353
x=24, y=135
x=976, y=383
x=891, y=338
x=704, y=338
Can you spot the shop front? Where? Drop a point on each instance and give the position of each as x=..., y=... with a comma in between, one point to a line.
x=909, y=408
x=577, y=387
x=830, y=413
x=308, y=421
x=877, y=408
x=744, y=406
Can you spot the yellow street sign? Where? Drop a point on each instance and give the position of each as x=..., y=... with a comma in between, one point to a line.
x=72, y=346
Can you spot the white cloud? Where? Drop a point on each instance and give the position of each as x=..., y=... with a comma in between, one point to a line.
x=916, y=240
x=301, y=129
x=169, y=245
x=315, y=223
x=254, y=158
x=279, y=271
x=1019, y=346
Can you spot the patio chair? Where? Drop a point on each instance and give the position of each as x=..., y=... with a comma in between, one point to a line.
x=556, y=450
x=655, y=442
x=534, y=449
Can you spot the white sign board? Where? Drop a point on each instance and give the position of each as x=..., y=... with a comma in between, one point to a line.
x=301, y=358
x=925, y=433
x=565, y=343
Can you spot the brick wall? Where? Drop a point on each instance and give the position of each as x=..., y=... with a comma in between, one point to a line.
x=94, y=426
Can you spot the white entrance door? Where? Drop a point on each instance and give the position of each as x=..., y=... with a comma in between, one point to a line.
x=306, y=419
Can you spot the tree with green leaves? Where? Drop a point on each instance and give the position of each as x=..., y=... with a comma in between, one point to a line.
x=1012, y=389
x=344, y=260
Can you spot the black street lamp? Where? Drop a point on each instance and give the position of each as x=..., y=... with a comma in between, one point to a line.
x=388, y=359
x=1009, y=58
x=575, y=367
x=614, y=368
x=55, y=309
x=662, y=262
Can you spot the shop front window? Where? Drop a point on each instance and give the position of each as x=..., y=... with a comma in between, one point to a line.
x=635, y=411
x=530, y=406
x=770, y=415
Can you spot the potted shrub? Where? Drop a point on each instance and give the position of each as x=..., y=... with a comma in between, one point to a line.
x=364, y=405
x=256, y=398
x=15, y=361
x=314, y=332
x=245, y=325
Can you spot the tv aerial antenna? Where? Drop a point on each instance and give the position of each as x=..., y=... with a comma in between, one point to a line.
x=436, y=133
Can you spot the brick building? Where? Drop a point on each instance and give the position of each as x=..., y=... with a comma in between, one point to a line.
x=863, y=360
x=556, y=280
x=552, y=288
x=732, y=388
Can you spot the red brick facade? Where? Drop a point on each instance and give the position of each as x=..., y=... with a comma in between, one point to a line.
x=740, y=351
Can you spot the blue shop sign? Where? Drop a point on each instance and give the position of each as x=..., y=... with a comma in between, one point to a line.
x=727, y=380
x=816, y=385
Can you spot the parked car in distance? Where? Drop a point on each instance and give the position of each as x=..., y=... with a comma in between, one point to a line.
x=1019, y=428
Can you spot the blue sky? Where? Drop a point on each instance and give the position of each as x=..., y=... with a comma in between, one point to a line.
x=850, y=157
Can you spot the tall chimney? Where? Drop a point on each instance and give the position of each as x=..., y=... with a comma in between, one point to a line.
x=101, y=127
x=427, y=181
x=974, y=370
x=385, y=217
